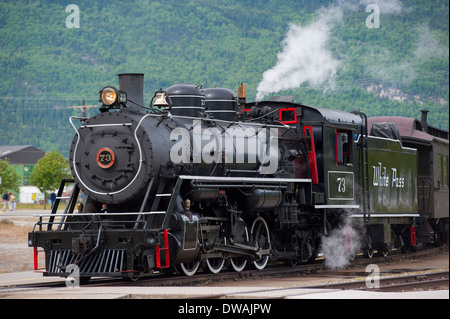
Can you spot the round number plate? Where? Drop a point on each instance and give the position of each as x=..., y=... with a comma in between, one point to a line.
x=105, y=157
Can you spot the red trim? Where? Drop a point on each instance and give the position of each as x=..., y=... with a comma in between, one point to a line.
x=287, y=109
x=166, y=249
x=412, y=232
x=36, y=258
x=344, y=154
x=35, y=253
x=312, y=156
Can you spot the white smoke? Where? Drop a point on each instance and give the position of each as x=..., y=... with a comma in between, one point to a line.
x=304, y=56
x=428, y=45
x=340, y=245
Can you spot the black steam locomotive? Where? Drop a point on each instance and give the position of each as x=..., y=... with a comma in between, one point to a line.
x=203, y=178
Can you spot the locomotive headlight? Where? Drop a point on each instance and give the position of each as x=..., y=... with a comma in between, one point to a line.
x=109, y=96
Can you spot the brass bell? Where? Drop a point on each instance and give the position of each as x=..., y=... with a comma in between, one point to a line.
x=187, y=204
x=161, y=99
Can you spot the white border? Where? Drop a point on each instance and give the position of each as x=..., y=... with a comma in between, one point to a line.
x=353, y=185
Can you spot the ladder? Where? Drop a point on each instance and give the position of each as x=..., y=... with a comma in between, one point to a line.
x=164, y=222
x=70, y=203
x=363, y=152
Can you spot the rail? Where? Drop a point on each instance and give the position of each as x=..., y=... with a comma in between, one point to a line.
x=407, y=282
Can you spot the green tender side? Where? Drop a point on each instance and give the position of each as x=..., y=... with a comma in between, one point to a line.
x=392, y=177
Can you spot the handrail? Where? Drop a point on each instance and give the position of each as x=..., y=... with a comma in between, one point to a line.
x=101, y=214
x=85, y=223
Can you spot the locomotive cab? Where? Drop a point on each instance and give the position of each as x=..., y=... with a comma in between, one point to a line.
x=330, y=151
x=333, y=156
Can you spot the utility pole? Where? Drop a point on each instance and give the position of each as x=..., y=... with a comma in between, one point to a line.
x=83, y=107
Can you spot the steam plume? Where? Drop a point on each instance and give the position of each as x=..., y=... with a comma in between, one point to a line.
x=340, y=245
x=304, y=56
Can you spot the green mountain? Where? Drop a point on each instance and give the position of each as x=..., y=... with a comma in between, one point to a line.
x=332, y=53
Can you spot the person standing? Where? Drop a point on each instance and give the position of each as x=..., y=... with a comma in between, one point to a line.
x=12, y=206
x=6, y=200
x=53, y=199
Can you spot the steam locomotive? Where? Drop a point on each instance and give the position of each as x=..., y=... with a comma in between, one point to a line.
x=201, y=178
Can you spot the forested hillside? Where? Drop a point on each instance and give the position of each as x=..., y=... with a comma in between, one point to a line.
x=47, y=68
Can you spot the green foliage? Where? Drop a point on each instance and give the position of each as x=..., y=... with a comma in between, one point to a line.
x=10, y=180
x=49, y=171
x=47, y=68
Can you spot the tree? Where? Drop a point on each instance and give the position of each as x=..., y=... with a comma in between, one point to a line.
x=9, y=178
x=49, y=171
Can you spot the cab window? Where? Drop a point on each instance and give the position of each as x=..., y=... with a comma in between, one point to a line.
x=343, y=142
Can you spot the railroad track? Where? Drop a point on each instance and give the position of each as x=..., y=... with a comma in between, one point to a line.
x=423, y=281
x=271, y=271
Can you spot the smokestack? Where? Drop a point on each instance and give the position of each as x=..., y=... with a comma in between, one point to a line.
x=133, y=85
x=423, y=120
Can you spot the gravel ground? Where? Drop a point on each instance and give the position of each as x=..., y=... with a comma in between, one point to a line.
x=15, y=255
